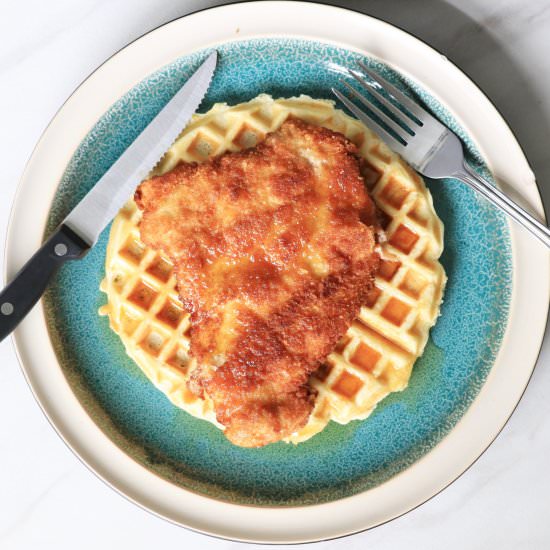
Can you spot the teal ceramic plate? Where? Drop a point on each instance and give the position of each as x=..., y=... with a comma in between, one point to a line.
x=192, y=455
x=341, y=460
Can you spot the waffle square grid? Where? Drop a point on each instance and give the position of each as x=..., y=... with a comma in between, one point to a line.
x=376, y=355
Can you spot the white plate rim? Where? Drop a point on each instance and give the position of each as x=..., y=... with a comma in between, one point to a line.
x=478, y=427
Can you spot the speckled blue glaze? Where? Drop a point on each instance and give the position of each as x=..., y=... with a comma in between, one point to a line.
x=342, y=460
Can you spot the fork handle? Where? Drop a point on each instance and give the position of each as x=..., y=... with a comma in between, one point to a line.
x=505, y=203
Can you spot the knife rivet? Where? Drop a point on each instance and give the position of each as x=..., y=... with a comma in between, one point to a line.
x=60, y=249
x=6, y=308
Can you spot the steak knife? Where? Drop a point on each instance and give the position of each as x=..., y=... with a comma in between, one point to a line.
x=80, y=230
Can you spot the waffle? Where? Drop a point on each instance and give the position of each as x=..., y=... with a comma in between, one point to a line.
x=376, y=355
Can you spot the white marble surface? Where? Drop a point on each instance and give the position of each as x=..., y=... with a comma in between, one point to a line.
x=48, y=499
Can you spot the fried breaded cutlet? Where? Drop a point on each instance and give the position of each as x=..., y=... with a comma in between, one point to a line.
x=273, y=249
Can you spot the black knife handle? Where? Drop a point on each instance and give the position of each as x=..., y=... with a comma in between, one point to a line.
x=20, y=295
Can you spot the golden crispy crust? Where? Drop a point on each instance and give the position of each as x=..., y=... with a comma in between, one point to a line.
x=274, y=253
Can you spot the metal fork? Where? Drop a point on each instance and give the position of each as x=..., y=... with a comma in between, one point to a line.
x=428, y=146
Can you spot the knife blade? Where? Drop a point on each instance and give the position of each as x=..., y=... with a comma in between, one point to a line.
x=80, y=230
x=110, y=193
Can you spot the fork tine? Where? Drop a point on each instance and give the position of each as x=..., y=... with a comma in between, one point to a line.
x=387, y=104
x=420, y=113
x=379, y=113
x=393, y=143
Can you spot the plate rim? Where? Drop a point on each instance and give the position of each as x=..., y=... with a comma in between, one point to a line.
x=14, y=257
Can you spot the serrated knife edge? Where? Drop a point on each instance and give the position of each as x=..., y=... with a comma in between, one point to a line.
x=110, y=193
